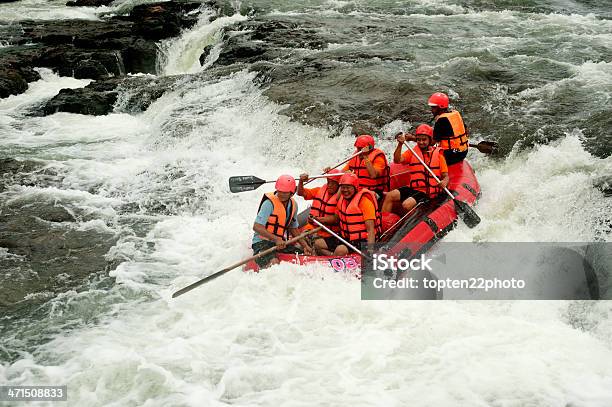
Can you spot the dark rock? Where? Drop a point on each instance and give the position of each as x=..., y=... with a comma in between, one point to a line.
x=92, y=49
x=12, y=166
x=83, y=33
x=66, y=60
x=83, y=101
x=90, y=68
x=162, y=20
x=139, y=93
x=29, y=74
x=205, y=53
x=140, y=56
x=28, y=173
x=89, y=3
x=99, y=97
x=41, y=248
x=55, y=214
x=11, y=82
x=238, y=51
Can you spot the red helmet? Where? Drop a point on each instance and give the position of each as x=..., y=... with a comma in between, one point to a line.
x=350, y=179
x=364, y=140
x=438, y=99
x=285, y=183
x=337, y=177
x=424, y=129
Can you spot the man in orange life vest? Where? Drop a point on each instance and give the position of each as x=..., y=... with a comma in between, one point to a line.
x=276, y=218
x=422, y=185
x=449, y=130
x=370, y=166
x=356, y=214
x=323, y=206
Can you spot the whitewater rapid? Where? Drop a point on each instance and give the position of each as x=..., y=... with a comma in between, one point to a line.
x=292, y=335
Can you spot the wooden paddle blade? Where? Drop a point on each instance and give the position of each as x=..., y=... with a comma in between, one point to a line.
x=244, y=183
x=467, y=214
x=486, y=147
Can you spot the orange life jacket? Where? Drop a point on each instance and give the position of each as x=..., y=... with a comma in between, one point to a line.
x=381, y=182
x=352, y=225
x=459, y=139
x=323, y=204
x=420, y=178
x=277, y=221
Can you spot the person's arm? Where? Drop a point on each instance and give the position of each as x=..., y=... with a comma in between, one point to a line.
x=369, y=216
x=444, y=171
x=328, y=219
x=263, y=232
x=372, y=172
x=259, y=226
x=444, y=181
x=397, y=154
x=307, y=249
x=300, y=187
x=346, y=167
x=371, y=228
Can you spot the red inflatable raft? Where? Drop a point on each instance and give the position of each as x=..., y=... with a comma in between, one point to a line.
x=422, y=228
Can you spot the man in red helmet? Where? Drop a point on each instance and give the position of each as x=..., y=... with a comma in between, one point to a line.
x=422, y=185
x=324, y=203
x=276, y=219
x=370, y=166
x=357, y=215
x=449, y=130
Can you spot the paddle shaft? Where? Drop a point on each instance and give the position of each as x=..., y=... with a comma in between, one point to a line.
x=339, y=164
x=328, y=230
x=309, y=178
x=428, y=169
x=240, y=263
x=470, y=218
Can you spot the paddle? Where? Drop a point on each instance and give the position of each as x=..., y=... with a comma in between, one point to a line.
x=242, y=183
x=486, y=147
x=331, y=232
x=467, y=214
x=225, y=270
x=339, y=164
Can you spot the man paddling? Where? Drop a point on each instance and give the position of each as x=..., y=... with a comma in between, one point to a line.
x=357, y=215
x=276, y=218
x=370, y=166
x=449, y=130
x=323, y=207
x=422, y=185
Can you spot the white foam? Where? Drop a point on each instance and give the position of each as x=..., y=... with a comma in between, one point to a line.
x=49, y=10
x=46, y=87
x=287, y=333
x=182, y=54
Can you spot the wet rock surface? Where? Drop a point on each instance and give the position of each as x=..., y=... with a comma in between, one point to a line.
x=89, y=3
x=296, y=63
x=101, y=97
x=96, y=50
x=40, y=238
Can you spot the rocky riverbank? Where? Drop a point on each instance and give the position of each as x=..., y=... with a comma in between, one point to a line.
x=109, y=48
